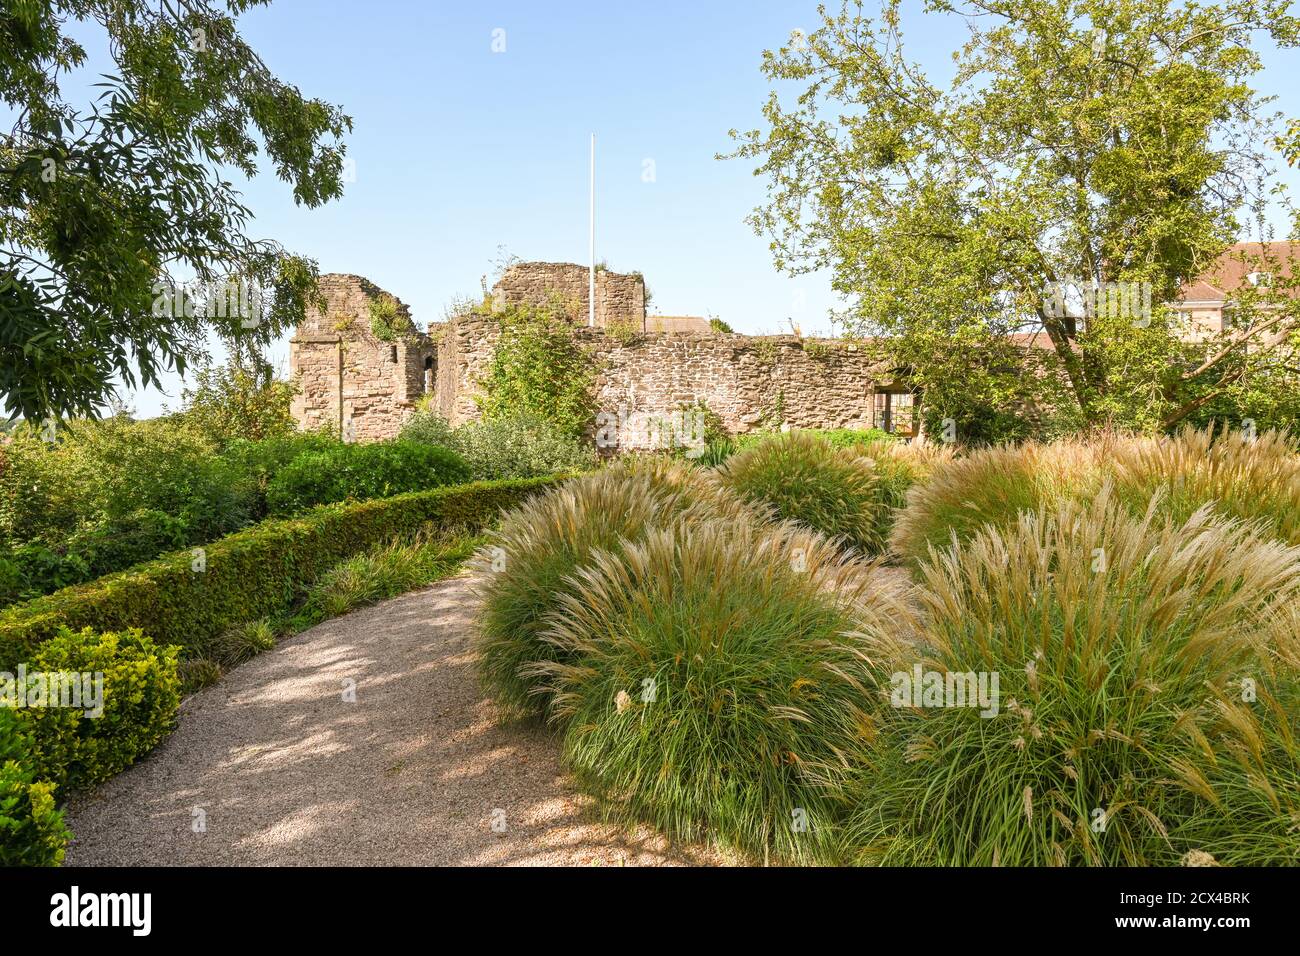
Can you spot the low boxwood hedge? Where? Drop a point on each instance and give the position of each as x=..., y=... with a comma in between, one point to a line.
x=188, y=597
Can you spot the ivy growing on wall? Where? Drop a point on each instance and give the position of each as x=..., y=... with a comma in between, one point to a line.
x=539, y=368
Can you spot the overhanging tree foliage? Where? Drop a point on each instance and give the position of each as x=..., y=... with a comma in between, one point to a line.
x=1078, y=143
x=103, y=208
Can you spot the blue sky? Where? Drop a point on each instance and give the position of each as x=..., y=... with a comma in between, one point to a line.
x=460, y=151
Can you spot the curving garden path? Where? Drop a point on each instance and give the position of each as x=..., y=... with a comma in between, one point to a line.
x=280, y=769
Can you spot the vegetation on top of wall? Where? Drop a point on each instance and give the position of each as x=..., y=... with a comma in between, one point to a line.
x=385, y=318
x=764, y=350
x=718, y=325
x=623, y=331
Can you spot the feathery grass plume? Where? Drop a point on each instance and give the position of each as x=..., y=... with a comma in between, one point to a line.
x=712, y=675
x=992, y=486
x=1120, y=644
x=1251, y=477
x=837, y=491
x=523, y=569
x=899, y=466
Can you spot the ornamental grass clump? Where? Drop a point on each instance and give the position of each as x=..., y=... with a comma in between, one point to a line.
x=526, y=566
x=1241, y=474
x=1146, y=698
x=712, y=677
x=836, y=491
x=992, y=486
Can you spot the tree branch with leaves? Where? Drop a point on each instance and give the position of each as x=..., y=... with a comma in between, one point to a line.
x=107, y=210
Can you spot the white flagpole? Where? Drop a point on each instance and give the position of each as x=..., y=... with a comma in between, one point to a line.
x=591, y=271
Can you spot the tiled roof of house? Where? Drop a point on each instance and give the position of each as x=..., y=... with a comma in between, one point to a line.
x=1032, y=340
x=1229, y=272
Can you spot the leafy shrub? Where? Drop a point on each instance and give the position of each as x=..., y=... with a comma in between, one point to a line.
x=240, y=400
x=832, y=490
x=517, y=446
x=97, y=472
x=31, y=826
x=992, y=486
x=1122, y=646
x=1254, y=478
x=103, y=496
x=258, y=462
x=254, y=573
x=361, y=472
x=539, y=368
x=707, y=675
x=428, y=427
x=521, y=447
x=140, y=698
x=528, y=562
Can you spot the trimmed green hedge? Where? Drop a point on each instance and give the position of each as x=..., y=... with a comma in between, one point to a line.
x=247, y=575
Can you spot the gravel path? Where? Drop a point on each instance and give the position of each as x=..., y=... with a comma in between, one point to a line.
x=275, y=767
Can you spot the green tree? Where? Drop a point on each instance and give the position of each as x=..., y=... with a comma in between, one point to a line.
x=104, y=208
x=239, y=399
x=1078, y=143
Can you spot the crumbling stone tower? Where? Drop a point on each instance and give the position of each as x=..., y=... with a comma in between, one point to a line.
x=620, y=297
x=360, y=362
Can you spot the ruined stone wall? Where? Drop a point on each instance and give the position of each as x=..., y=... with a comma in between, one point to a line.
x=348, y=375
x=465, y=347
x=747, y=380
x=620, y=297
x=349, y=379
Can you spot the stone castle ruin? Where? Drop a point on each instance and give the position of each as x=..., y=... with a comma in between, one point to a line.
x=362, y=363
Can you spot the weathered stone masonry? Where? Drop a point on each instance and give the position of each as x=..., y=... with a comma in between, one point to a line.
x=350, y=380
x=747, y=380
